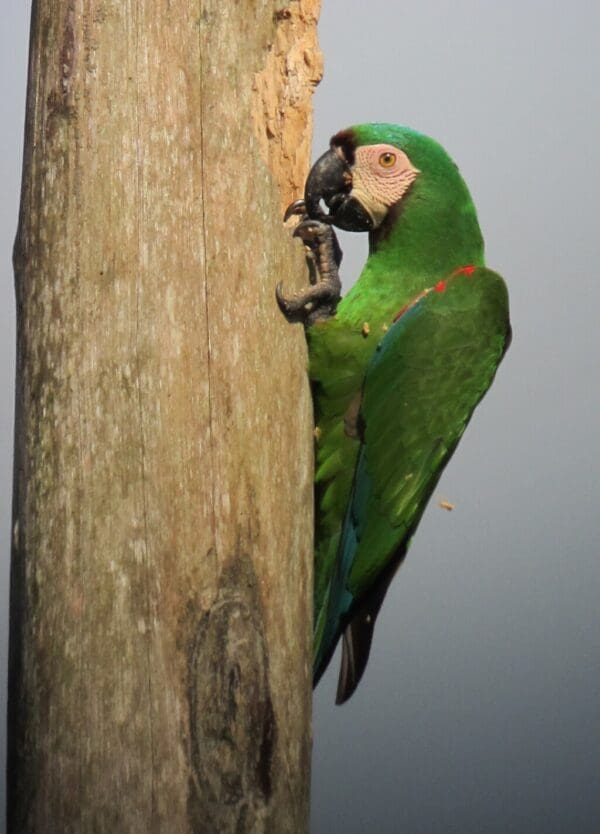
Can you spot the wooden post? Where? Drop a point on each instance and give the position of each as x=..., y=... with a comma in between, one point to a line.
x=160, y=646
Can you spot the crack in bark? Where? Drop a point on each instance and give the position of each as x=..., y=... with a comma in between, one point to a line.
x=201, y=13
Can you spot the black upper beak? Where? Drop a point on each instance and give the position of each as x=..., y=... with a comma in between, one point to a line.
x=330, y=181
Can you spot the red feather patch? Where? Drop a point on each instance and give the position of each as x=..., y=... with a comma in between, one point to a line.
x=410, y=304
x=439, y=287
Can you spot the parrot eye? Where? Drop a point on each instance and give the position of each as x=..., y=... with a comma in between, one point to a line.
x=387, y=159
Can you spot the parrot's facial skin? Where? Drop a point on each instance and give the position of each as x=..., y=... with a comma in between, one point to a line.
x=358, y=188
x=381, y=176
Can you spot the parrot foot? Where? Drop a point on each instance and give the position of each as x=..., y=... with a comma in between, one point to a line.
x=324, y=255
x=315, y=303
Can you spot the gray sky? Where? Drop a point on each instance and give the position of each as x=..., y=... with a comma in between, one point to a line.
x=479, y=709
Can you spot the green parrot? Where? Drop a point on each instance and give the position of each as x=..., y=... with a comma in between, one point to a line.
x=397, y=366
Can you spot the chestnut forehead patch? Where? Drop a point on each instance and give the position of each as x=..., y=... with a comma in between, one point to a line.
x=344, y=140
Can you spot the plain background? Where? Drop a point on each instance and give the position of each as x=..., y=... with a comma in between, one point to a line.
x=479, y=711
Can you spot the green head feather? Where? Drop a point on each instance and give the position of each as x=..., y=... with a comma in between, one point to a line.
x=433, y=230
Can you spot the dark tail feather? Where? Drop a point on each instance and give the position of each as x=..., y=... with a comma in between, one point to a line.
x=356, y=645
x=357, y=638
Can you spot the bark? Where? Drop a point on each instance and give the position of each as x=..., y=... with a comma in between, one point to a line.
x=160, y=645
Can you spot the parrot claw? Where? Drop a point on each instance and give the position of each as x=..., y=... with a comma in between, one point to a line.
x=310, y=305
x=308, y=230
x=291, y=308
x=297, y=207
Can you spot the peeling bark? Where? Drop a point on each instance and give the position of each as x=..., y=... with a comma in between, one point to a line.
x=160, y=646
x=279, y=110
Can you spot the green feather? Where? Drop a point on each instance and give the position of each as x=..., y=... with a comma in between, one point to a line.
x=420, y=391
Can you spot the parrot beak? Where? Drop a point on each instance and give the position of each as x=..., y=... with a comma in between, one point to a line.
x=330, y=181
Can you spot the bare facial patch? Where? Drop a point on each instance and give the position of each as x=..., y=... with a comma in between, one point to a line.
x=381, y=176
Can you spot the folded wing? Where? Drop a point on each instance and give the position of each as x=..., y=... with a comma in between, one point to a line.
x=431, y=369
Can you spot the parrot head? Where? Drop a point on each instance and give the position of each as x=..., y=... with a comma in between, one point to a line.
x=371, y=168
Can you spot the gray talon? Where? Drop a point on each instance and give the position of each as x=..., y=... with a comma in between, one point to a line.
x=318, y=301
x=297, y=207
x=308, y=230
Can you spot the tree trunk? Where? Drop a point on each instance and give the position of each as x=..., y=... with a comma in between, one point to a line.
x=160, y=648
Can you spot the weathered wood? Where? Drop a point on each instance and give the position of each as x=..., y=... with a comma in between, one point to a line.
x=161, y=575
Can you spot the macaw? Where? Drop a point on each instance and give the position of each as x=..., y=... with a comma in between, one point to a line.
x=396, y=366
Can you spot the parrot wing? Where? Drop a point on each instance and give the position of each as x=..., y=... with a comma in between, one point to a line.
x=429, y=372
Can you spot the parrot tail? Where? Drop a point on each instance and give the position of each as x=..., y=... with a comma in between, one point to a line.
x=357, y=638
